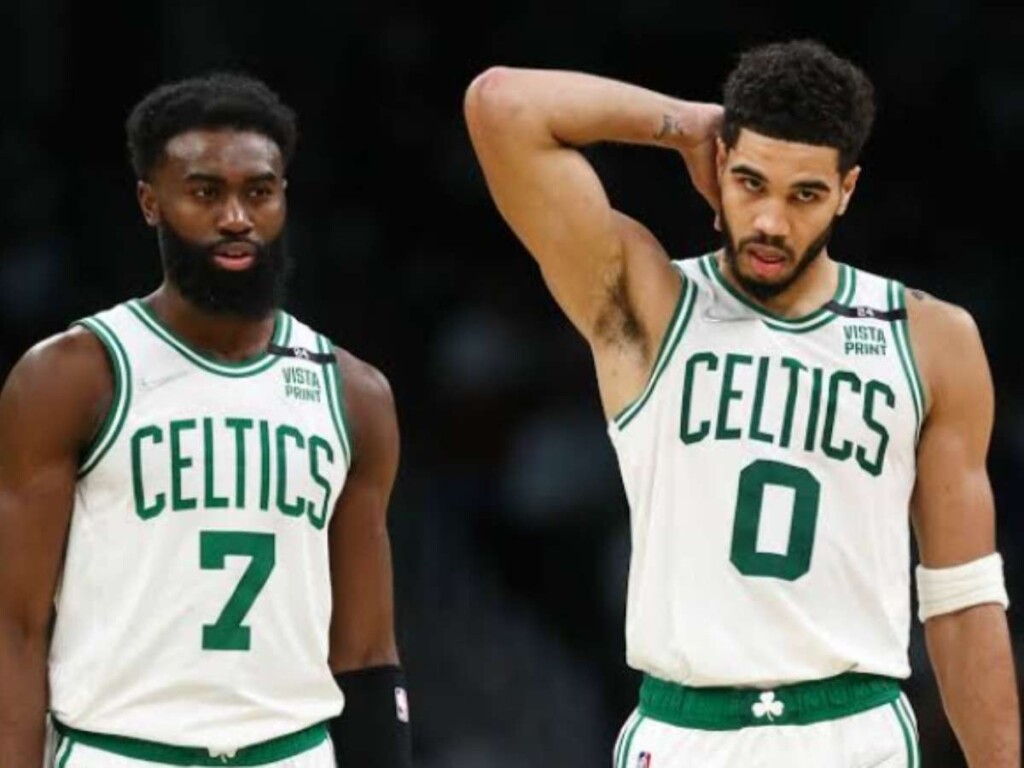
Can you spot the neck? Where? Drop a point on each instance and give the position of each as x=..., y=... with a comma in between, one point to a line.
x=814, y=287
x=227, y=337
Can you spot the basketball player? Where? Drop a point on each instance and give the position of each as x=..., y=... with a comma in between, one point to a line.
x=779, y=418
x=203, y=481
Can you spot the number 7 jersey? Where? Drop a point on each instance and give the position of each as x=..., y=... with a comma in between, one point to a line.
x=195, y=600
x=768, y=466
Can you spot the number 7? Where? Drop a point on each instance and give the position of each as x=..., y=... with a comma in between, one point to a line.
x=228, y=634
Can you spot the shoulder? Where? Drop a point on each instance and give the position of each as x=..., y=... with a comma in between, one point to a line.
x=77, y=354
x=939, y=320
x=369, y=403
x=364, y=382
x=947, y=343
x=64, y=381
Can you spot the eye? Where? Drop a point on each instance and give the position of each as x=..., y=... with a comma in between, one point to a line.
x=751, y=184
x=204, y=192
x=806, y=195
x=261, y=192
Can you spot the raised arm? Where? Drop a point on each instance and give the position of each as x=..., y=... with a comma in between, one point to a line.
x=52, y=403
x=954, y=520
x=608, y=274
x=373, y=730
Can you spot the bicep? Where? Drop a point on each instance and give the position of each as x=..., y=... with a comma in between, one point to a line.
x=42, y=428
x=953, y=508
x=362, y=622
x=551, y=197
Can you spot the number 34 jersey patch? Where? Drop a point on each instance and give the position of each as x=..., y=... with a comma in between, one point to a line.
x=768, y=466
x=195, y=599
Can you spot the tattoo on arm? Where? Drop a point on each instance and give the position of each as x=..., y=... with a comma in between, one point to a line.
x=669, y=126
x=918, y=294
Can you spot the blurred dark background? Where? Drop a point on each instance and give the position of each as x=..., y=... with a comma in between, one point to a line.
x=509, y=523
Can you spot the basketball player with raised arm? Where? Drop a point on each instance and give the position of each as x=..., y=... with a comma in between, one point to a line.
x=202, y=481
x=780, y=419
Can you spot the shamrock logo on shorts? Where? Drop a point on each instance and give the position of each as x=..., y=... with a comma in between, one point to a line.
x=768, y=706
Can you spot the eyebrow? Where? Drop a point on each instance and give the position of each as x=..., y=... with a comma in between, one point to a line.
x=746, y=170
x=215, y=179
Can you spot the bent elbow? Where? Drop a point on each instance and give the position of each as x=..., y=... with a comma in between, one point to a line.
x=493, y=96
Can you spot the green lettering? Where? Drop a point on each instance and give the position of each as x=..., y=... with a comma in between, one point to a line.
x=689, y=437
x=141, y=509
x=722, y=429
x=264, y=465
x=297, y=507
x=795, y=366
x=874, y=387
x=316, y=443
x=210, y=497
x=812, y=416
x=846, y=449
x=179, y=463
x=239, y=425
x=755, y=419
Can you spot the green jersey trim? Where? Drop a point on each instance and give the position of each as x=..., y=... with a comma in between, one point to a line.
x=257, y=364
x=336, y=398
x=897, y=300
x=60, y=758
x=627, y=742
x=272, y=751
x=122, y=397
x=728, y=709
x=845, y=289
x=627, y=729
x=909, y=737
x=676, y=328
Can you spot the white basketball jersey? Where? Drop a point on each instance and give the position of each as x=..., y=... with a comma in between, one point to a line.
x=195, y=600
x=768, y=466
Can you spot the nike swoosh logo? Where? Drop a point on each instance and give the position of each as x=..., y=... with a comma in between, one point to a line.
x=161, y=380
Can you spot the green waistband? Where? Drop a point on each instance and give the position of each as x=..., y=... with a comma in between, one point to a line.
x=265, y=752
x=726, y=709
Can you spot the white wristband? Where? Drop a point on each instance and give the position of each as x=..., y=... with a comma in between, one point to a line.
x=944, y=590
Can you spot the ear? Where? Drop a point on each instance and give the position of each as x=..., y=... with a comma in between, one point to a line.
x=148, y=203
x=721, y=152
x=846, y=188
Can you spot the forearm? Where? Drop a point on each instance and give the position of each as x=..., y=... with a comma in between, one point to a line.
x=578, y=109
x=971, y=653
x=23, y=698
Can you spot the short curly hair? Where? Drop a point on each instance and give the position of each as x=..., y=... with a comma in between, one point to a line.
x=800, y=91
x=212, y=101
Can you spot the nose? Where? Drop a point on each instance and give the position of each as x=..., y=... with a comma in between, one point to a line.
x=234, y=219
x=771, y=220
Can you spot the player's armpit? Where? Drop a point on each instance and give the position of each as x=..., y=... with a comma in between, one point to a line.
x=362, y=622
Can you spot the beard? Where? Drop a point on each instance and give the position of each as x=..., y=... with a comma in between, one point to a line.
x=252, y=293
x=760, y=290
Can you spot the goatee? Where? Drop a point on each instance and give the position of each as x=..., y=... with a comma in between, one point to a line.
x=252, y=293
x=763, y=291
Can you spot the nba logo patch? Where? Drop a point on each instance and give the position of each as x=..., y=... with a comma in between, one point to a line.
x=643, y=760
x=401, y=705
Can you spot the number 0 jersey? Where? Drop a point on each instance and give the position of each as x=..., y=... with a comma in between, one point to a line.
x=195, y=599
x=768, y=466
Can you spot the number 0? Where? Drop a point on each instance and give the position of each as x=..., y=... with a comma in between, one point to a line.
x=750, y=500
x=228, y=633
